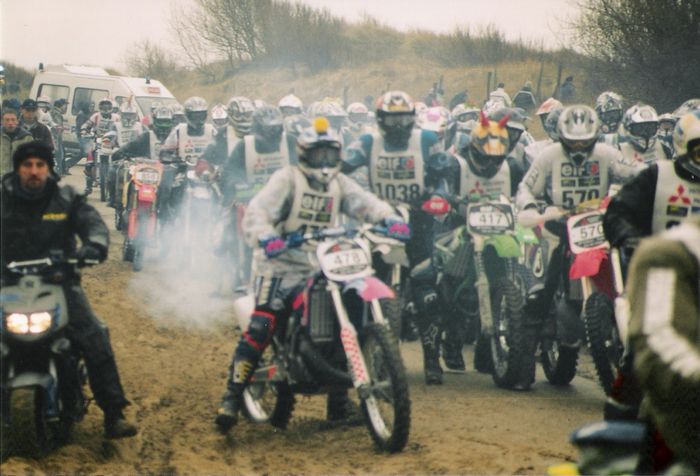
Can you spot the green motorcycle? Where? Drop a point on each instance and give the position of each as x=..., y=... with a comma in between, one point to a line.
x=484, y=267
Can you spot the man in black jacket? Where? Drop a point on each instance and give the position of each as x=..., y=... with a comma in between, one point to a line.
x=38, y=216
x=31, y=122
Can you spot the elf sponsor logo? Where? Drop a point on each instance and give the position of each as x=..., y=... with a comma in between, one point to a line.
x=398, y=168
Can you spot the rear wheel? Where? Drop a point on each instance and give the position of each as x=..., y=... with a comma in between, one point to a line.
x=603, y=339
x=266, y=401
x=104, y=172
x=559, y=361
x=387, y=407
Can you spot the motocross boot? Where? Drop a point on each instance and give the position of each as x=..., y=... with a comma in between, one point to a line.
x=452, y=343
x=117, y=426
x=339, y=407
x=431, y=354
x=232, y=400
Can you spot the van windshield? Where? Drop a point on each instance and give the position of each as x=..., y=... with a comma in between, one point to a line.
x=146, y=102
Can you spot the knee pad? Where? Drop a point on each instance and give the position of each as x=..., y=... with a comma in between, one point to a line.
x=425, y=297
x=260, y=329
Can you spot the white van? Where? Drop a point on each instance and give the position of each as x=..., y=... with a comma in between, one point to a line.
x=80, y=85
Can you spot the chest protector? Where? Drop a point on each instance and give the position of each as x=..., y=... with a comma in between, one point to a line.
x=191, y=148
x=634, y=158
x=231, y=140
x=103, y=125
x=470, y=183
x=675, y=198
x=127, y=134
x=572, y=185
x=260, y=166
x=313, y=208
x=397, y=175
x=154, y=145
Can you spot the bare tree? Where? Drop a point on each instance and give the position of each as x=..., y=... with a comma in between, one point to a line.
x=185, y=25
x=648, y=50
x=145, y=58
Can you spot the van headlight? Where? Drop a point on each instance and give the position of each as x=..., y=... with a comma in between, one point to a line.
x=34, y=323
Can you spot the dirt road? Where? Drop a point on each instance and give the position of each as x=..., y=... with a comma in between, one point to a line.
x=173, y=340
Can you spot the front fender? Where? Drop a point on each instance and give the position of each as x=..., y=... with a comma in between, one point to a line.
x=370, y=288
x=506, y=246
x=587, y=264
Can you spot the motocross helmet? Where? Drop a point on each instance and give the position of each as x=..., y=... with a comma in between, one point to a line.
x=515, y=124
x=686, y=142
x=550, y=124
x=688, y=106
x=332, y=111
x=162, y=122
x=105, y=107
x=218, y=116
x=545, y=108
x=178, y=111
x=640, y=125
x=196, y=109
x=396, y=116
x=465, y=117
x=240, y=114
x=358, y=113
x=319, y=152
x=578, y=129
x=608, y=106
x=438, y=120
x=666, y=124
x=128, y=114
x=488, y=146
x=290, y=105
x=43, y=103
x=267, y=123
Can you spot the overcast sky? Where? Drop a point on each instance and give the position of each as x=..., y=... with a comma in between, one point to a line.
x=99, y=31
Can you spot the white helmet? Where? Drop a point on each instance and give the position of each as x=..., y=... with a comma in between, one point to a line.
x=686, y=142
x=357, y=113
x=640, y=125
x=43, y=103
x=465, y=117
x=290, y=105
x=218, y=116
x=319, y=152
x=240, y=113
x=196, y=112
x=578, y=128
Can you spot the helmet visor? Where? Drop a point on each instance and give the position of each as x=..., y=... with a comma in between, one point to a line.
x=694, y=152
x=105, y=107
x=644, y=129
x=197, y=117
x=468, y=116
x=323, y=157
x=580, y=145
x=611, y=117
x=398, y=120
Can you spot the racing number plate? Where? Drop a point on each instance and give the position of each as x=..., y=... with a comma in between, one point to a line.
x=147, y=176
x=345, y=262
x=490, y=218
x=586, y=231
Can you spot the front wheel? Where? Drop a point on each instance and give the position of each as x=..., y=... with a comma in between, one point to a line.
x=508, y=347
x=104, y=172
x=603, y=339
x=387, y=406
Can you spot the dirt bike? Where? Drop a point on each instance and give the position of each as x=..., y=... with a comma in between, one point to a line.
x=493, y=246
x=36, y=353
x=319, y=351
x=139, y=209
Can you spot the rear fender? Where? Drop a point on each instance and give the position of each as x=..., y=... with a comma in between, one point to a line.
x=506, y=246
x=370, y=288
x=147, y=195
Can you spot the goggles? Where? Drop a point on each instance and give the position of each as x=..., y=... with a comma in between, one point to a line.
x=580, y=145
x=394, y=120
x=644, y=129
x=198, y=116
x=666, y=125
x=323, y=157
x=694, y=153
x=611, y=116
x=468, y=116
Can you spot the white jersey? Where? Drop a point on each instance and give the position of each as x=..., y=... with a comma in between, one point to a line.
x=397, y=175
x=312, y=208
x=127, y=134
x=190, y=148
x=259, y=166
x=555, y=176
x=675, y=198
x=231, y=140
x=641, y=160
x=154, y=144
x=470, y=183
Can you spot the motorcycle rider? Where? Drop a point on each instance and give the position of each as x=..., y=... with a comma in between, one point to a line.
x=38, y=216
x=518, y=137
x=100, y=123
x=566, y=173
x=240, y=113
x=183, y=147
x=281, y=208
x=126, y=130
x=549, y=119
x=290, y=105
x=219, y=117
x=639, y=128
x=408, y=165
x=357, y=124
x=608, y=106
x=663, y=291
x=483, y=167
x=178, y=114
x=665, y=135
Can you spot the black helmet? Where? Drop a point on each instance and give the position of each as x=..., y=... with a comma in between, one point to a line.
x=267, y=123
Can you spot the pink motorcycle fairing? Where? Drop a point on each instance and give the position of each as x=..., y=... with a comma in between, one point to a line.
x=587, y=264
x=370, y=288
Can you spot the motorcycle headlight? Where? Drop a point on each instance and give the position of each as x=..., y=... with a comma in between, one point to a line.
x=34, y=323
